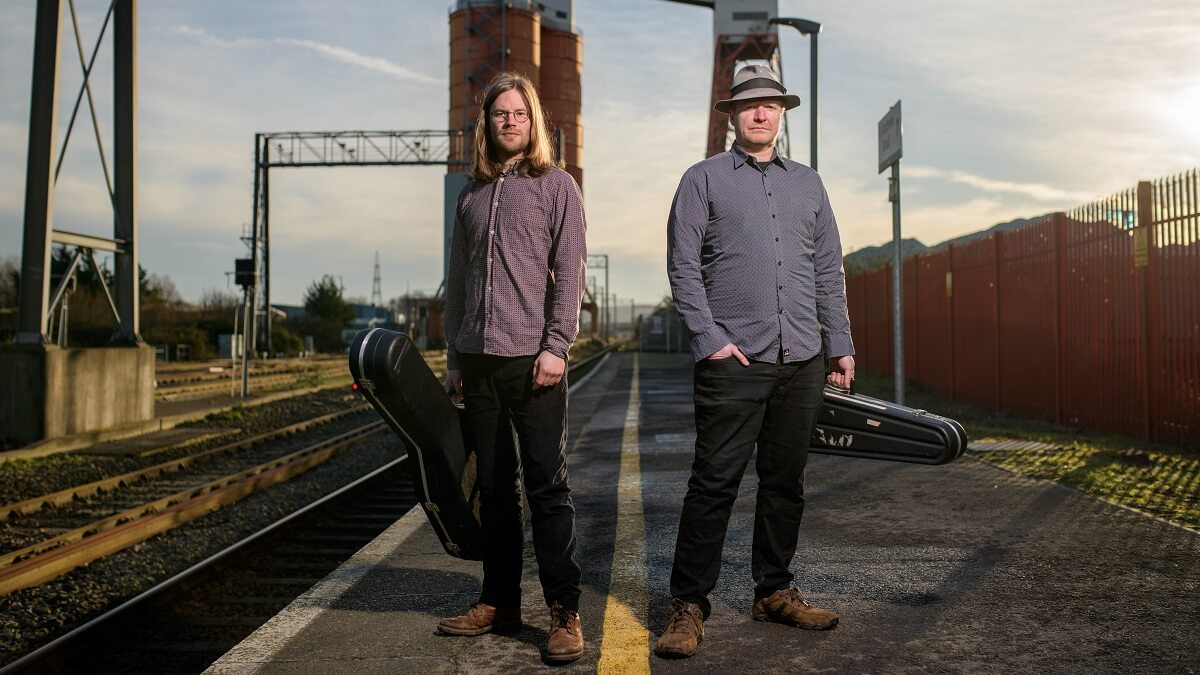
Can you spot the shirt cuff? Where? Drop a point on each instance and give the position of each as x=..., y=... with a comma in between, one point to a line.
x=557, y=350
x=706, y=343
x=838, y=345
x=451, y=358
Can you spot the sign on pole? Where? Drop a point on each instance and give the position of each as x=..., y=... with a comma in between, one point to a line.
x=891, y=149
x=891, y=146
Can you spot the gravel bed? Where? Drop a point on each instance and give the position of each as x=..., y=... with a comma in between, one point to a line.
x=34, y=616
x=23, y=530
x=26, y=478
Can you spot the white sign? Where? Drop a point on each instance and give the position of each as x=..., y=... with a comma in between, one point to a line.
x=743, y=17
x=891, y=147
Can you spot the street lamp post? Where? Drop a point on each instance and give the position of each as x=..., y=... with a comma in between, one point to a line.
x=811, y=29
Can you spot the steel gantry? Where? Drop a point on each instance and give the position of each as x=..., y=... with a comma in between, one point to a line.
x=327, y=149
x=36, y=304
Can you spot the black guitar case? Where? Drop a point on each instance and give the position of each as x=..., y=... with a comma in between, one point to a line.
x=392, y=376
x=853, y=425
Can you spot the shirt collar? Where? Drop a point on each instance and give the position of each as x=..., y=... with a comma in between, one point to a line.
x=740, y=157
x=514, y=169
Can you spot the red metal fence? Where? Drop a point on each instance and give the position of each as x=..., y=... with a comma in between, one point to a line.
x=1089, y=318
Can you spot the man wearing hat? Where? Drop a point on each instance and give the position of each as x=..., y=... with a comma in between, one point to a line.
x=755, y=263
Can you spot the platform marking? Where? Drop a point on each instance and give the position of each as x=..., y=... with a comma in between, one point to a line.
x=626, y=644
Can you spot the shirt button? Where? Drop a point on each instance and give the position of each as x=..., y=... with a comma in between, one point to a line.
x=768, y=194
x=786, y=352
x=776, y=238
x=779, y=263
x=781, y=311
x=772, y=215
x=781, y=288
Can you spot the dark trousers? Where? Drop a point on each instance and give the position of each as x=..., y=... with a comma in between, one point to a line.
x=737, y=407
x=500, y=400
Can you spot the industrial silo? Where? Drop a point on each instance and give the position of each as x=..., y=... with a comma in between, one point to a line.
x=488, y=37
x=562, y=70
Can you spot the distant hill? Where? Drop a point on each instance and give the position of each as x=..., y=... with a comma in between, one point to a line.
x=874, y=257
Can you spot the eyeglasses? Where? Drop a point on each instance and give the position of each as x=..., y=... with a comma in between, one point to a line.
x=518, y=116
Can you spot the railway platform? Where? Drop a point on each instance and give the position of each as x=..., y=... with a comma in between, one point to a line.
x=167, y=415
x=960, y=568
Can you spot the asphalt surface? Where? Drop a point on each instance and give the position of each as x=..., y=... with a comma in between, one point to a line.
x=961, y=568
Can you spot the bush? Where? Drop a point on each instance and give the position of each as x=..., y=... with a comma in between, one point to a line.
x=285, y=341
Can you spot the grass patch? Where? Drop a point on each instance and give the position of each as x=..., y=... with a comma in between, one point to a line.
x=1158, y=479
x=308, y=379
x=235, y=415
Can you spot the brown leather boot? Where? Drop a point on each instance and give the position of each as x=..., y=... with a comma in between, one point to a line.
x=787, y=606
x=685, y=630
x=482, y=619
x=566, y=635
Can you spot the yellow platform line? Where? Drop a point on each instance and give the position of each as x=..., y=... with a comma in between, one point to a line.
x=625, y=647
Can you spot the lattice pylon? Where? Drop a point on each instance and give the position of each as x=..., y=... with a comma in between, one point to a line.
x=377, y=285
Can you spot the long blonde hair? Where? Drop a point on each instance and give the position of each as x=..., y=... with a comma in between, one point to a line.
x=539, y=155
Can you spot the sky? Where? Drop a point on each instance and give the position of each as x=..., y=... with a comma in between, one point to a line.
x=1010, y=110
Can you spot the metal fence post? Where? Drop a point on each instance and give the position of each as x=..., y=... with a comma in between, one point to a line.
x=1149, y=306
x=950, y=316
x=996, y=325
x=1060, y=321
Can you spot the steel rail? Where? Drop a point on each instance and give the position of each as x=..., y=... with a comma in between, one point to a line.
x=54, y=557
x=197, y=375
x=35, y=504
x=215, y=384
x=77, y=632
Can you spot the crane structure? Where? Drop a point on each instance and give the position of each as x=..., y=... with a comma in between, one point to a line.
x=745, y=31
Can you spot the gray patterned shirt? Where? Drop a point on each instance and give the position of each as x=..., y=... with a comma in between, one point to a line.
x=517, y=266
x=754, y=258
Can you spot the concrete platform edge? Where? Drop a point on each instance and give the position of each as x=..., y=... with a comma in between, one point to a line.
x=60, y=444
x=261, y=646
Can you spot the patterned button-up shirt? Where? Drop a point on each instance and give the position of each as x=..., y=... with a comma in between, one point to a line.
x=754, y=258
x=517, y=266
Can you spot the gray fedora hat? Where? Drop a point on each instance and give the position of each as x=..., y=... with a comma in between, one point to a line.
x=756, y=82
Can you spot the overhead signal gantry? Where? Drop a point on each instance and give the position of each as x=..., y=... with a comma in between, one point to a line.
x=326, y=149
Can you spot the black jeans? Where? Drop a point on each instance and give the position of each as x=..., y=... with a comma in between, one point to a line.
x=737, y=407
x=500, y=400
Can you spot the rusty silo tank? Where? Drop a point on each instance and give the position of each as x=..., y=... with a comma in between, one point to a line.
x=487, y=37
x=536, y=39
x=562, y=71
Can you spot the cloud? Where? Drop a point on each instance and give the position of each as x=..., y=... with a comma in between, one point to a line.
x=1036, y=191
x=353, y=58
x=334, y=52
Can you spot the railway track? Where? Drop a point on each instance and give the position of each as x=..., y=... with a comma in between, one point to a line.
x=189, y=620
x=197, y=386
x=66, y=496
x=46, y=543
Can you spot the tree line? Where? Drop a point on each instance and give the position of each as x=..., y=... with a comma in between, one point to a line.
x=167, y=319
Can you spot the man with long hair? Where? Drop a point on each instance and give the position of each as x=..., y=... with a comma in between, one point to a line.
x=755, y=263
x=517, y=266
